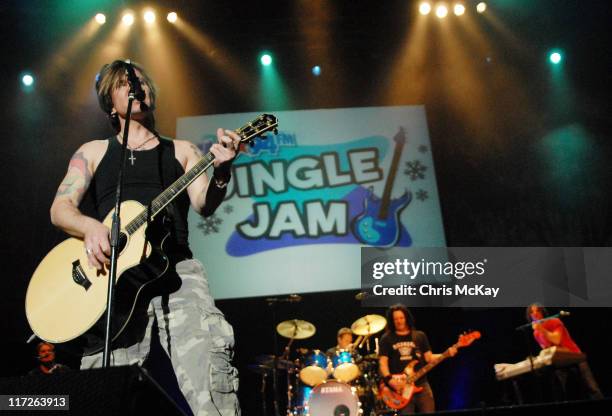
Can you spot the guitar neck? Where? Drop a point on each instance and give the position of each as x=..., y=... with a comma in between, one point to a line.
x=174, y=190
x=247, y=133
x=429, y=366
x=397, y=153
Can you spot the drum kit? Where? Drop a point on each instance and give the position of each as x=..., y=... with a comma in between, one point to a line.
x=341, y=381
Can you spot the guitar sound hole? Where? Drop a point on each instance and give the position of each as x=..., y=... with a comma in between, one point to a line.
x=122, y=242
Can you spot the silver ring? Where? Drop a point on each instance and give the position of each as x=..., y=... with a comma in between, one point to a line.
x=88, y=250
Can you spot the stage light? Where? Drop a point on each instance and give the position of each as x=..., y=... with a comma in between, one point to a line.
x=128, y=18
x=172, y=17
x=481, y=7
x=459, y=9
x=425, y=8
x=555, y=57
x=441, y=11
x=149, y=16
x=100, y=18
x=316, y=70
x=266, y=59
x=27, y=80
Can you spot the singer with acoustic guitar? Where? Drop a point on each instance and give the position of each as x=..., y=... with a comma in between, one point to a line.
x=192, y=331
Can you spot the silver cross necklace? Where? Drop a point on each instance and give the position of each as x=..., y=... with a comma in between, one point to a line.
x=132, y=158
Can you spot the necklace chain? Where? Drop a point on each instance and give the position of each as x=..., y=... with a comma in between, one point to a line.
x=132, y=158
x=141, y=144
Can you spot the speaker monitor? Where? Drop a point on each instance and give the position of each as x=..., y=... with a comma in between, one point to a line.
x=127, y=390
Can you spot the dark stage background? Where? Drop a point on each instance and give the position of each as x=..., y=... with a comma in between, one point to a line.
x=521, y=149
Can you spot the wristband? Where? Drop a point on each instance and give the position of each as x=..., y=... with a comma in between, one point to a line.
x=223, y=172
x=220, y=183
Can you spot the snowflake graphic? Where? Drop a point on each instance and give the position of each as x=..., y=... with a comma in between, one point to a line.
x=415, y=169
x=228, y=209
x=210, y=225
x=422, y=195
x=423, y=148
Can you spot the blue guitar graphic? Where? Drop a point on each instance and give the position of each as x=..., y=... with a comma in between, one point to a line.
x=379, y=224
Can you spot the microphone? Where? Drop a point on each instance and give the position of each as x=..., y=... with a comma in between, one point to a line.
x=134, y=81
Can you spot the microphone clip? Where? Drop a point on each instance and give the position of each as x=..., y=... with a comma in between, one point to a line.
x=135, y=85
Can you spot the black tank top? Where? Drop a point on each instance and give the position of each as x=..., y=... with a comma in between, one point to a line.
x=153, y=171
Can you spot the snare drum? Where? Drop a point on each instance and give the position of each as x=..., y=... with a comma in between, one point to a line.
x=344, y=365
x=333, y=398
x=315, y=368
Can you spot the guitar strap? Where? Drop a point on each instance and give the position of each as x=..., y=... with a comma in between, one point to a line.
x=171, y=211
x=160, y=170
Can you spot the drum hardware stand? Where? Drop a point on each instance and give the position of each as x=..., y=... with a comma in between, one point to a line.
x=264, y=408
x=272, y=304
x=285, y=356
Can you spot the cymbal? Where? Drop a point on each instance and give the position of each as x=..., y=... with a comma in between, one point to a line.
x=296, y=329
x=267, y=361
x=368, y=325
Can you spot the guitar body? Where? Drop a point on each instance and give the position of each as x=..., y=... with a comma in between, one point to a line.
x=396, y=400
x=399, y=400
x=375, y=231
x=66, y=298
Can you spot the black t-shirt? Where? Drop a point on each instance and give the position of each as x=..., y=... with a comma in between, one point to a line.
x=402, y=349
x=153, y=171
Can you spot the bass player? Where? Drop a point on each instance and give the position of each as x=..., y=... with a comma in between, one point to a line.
x=398, y=347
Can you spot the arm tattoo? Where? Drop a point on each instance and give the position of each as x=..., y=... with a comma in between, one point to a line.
x=77, y=179
x=196, y=150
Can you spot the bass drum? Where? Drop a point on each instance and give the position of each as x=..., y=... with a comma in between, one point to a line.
x=333, y=398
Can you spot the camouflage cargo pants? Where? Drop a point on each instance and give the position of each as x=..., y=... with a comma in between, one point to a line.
x=198, y=340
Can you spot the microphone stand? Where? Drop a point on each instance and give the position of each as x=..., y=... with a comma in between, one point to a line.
x=275, y=402
x=116, y=226
x=530, y=356
x=528, y=325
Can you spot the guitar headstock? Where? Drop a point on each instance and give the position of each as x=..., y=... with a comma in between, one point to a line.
x=466, y=340
x=258, y=127
x=400, y=136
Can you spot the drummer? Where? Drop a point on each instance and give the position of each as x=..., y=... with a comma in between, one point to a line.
x=345, y=342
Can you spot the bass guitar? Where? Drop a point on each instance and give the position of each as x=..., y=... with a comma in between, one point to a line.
x=400, y=399
x=66, y=298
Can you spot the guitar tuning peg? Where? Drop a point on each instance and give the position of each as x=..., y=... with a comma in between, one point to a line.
x=275, y=130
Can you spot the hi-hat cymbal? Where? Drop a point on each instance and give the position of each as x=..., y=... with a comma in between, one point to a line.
x=368, y=325
x=268, y=361
x=296, y=329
